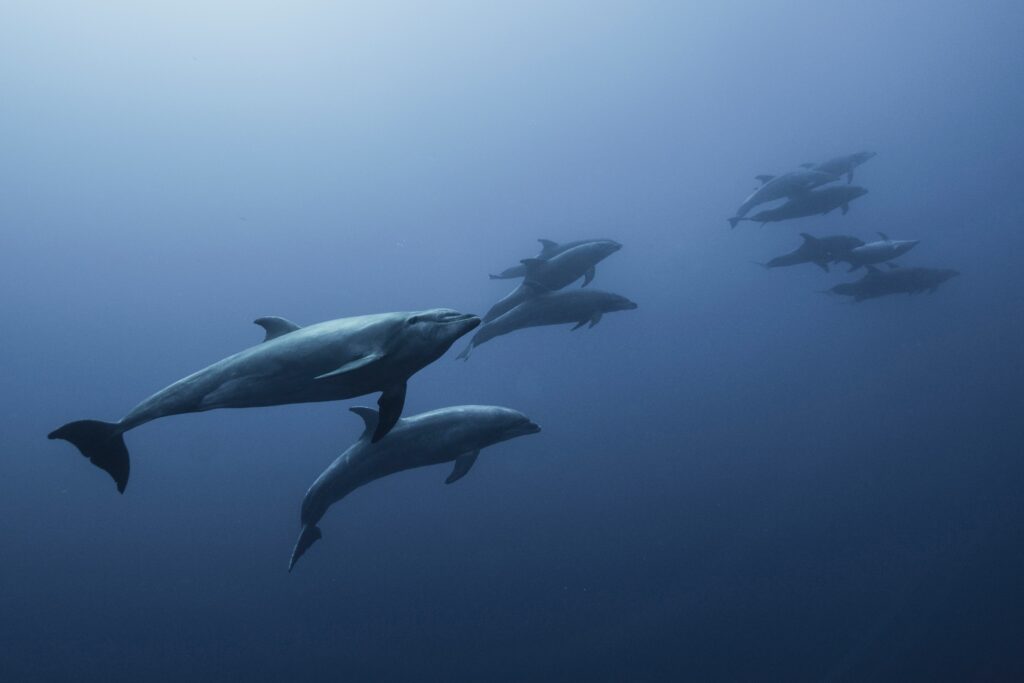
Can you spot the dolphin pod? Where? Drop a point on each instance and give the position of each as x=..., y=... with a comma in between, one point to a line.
x=450, y=434
x=805, y=196
x=328, y=361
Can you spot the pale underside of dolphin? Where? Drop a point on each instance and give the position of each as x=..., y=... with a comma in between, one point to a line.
x=328, y=361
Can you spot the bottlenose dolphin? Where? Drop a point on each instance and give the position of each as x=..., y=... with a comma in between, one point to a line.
x=578, y=306
x=324, y=362
x=877, y=252
x=897, y=281
x=457, y=433
x=810, y=203
x=817, y=250
x=843, y=165
x=549, y=249
x=555, y=273
x=782, y=186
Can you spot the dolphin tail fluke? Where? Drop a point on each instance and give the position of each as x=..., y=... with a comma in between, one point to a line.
x=102, y=443
x=309, y=535
x=734, y=221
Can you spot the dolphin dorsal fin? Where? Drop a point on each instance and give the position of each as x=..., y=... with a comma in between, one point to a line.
x=547, y=246
x=370, y=417
x=276, y=327
x=808, y=238
x=884, y=236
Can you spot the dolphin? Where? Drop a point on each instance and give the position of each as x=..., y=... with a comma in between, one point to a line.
x=810, y=203
x=843, y=165
x=878, y=283
x=328, y=361
x=555, y=273
x=817, y=250
x=877, y=252
x=780, y=187
x=449, y=434
x=578, y=306
x=549, y=249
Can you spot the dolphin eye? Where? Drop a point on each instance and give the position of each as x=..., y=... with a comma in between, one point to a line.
x=413, y=320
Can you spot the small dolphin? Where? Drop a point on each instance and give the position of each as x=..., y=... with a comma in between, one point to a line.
x=578, y=306
x=549, y=249
x=844, y=165
x=817, y=250
x=457, y=433
x=810, y=203
x=328, y=361
x=782, y=186
x=555, y=273
x=881, y=251
x=878, y=283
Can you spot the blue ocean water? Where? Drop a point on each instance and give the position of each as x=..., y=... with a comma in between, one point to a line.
x=742, y=480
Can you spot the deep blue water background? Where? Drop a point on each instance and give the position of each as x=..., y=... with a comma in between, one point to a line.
x=743, y=480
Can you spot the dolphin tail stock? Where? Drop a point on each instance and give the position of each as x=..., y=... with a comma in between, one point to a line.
x=102, y=443
x=309, y=535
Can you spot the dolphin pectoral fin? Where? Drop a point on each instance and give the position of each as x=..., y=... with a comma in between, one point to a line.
x=391, y=402
x=588, y=277
x=309, y=535
x=462, y=465
x=352, y=365
x=846, y=209
x=578, y=325
x=596, y=318
x=276, y=327
x=822, y=264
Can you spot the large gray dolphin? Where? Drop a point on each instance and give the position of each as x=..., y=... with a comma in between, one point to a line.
x=817, y=250
x=548, y=249
x=780, y=187
x=897, y=281
x=578, y=306
x=555, y=273
x=457, y=433
x=328, y=361
x=810, y=203
x=843, y=165
x=877, y=252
